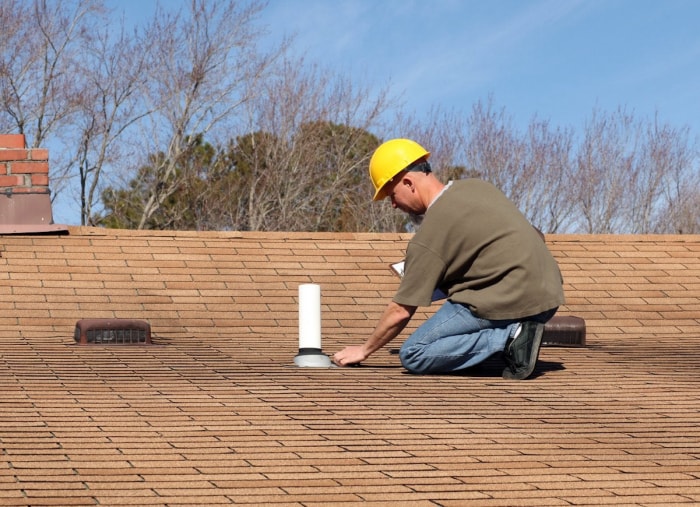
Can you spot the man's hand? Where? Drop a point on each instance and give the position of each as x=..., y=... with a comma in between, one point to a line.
x=394, y=319
x=350, y=356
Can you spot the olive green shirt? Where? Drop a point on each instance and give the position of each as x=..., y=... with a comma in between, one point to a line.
x=475, y=245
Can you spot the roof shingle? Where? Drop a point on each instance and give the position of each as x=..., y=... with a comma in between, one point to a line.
x=215, y=412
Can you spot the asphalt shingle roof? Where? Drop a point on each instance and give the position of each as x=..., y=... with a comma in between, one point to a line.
x=215, y=412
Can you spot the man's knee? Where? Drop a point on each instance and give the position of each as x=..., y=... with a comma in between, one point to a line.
x=411, y=359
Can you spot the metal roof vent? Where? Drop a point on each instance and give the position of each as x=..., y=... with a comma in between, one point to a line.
x=112, y=332
x=565, y=331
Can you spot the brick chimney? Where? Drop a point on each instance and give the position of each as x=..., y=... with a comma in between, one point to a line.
x=25, y=198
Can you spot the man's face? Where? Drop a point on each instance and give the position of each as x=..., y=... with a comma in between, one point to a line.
x=402, y=193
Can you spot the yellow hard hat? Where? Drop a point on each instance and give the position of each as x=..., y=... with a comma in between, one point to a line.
x=390, y=159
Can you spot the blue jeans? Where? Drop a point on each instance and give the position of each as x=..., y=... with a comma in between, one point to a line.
x=454, y=339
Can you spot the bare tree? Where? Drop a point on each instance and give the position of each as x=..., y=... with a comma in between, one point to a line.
x=112, y=69
x=41, y=44
x=625, y=175
x=681, y=214
x=201, y=68
x=532, y=169
x=635, y=176
x=603, y=166
x=668, y=187
x=188, y=104
x=300, y=165
x=315, y=158
x=494, y=149
x=445, y=134
x=545, y=194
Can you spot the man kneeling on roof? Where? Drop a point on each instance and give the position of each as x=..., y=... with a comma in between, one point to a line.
x=500, y=280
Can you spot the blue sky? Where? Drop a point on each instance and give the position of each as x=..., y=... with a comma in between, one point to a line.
x=557, y=59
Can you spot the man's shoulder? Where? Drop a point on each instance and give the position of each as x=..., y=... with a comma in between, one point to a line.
x=460, y=192
x=473, y=183
x=474, y=190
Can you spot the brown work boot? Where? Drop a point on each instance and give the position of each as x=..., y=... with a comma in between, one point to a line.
x=521, y=352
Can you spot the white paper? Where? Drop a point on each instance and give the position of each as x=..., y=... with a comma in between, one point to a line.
x=398, y=269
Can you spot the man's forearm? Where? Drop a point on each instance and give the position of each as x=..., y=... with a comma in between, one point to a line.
x=392, y=322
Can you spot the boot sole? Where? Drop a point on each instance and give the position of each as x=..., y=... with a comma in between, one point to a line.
x=524, y=373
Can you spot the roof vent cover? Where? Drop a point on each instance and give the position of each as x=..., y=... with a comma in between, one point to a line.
x=112, y=332
x=565, y=331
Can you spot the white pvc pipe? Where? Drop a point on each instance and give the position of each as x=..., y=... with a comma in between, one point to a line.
x=310, y=316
